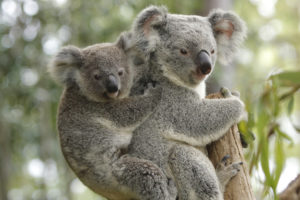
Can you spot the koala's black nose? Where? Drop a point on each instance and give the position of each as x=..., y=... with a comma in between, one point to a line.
x=112, y=84
x=203, y=63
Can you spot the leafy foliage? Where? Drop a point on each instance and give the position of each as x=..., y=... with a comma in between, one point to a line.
x=271, y=105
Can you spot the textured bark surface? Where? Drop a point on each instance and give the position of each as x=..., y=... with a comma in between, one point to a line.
x=239, y=187
x=292, y=192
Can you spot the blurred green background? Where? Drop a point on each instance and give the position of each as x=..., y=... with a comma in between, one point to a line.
x=266, y=71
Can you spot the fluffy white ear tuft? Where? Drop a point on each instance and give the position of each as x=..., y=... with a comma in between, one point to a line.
x=229, y=31
x=65, y=64
x=150, y=17
x=146, y=25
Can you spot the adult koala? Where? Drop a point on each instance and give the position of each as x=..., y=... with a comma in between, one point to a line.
x=181, y=52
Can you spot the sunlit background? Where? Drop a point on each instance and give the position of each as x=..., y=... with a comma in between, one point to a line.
x=31, y=32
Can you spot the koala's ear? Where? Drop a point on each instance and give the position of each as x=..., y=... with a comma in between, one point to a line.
x=150, y=17
x=229, y=31
x=65, y=64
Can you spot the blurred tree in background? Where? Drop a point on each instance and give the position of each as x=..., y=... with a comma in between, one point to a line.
x=31, y=32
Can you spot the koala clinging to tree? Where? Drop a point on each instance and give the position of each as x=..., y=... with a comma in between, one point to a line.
x=96, y=118
x=181, y=51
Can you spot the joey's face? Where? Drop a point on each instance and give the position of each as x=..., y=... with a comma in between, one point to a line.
x=188, y=50
x=105, y=74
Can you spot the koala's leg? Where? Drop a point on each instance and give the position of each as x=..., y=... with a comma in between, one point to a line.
x=226, y=171
x=194, y=174
x=145, y=179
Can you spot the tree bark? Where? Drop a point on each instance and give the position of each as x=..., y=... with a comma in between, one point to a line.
x=292, y=192
x=239, y=187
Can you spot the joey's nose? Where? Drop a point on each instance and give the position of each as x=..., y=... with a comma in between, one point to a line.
x=203, y=63
x=112, y=84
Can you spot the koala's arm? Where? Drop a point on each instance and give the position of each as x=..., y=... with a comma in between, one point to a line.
x=133, y=110
x=206, y=121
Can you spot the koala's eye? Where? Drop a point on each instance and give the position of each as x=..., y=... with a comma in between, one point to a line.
x=121, y=72
x=212, y=51
x=183, y=51
x=97, y=76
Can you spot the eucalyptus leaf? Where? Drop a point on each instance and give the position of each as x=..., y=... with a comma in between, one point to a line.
x=283, y=135
x=290, y=78
x=279, y=159
x=290, y=105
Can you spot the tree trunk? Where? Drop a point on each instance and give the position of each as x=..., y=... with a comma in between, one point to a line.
x=239, y=187
x=292, y=192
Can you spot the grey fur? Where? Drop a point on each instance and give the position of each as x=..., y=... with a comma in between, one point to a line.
x=183, y=121
x=95, y=130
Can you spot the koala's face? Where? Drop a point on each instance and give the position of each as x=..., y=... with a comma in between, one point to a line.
x=104, y=74
x=187, y=49
x=186, y=46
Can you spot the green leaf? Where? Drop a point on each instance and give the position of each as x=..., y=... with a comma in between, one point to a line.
x=279, y=159
x=251, y=121
x=243, y=127
x=290, y=78
x=264, y=160
x=262, y=121
x=275, y=102
x=283, y=135
x=290, y=105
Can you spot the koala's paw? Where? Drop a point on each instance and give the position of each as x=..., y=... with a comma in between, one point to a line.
x=150, y=88
x=225, y=92
x=235, y=96
x=153, y=90
x=225, y=170
x=244, y=114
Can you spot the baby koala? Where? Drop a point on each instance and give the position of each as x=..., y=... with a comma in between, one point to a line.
x=96, y=118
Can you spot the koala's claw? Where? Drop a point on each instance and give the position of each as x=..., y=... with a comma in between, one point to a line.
x=225, y=92
x=226, y=172
x=150, y=88
x=224, y=165
x=236, y=93
x=229, y=170
x=150, y=85
x=225, y=159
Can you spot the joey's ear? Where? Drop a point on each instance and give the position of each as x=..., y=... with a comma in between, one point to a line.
x=124, y=40
x=149, y=18
x=65, y=64
x=229, y=31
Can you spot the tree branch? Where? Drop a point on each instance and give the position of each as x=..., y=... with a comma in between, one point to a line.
x=230, y=144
